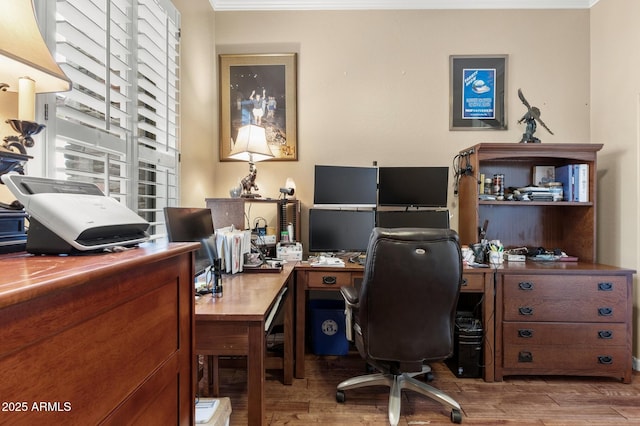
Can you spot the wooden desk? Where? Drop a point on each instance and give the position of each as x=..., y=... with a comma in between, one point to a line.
x=235, y=325
x=99, y=339
x=331, y=279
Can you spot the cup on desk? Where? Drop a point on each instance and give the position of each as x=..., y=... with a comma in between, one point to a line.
x=496, y=257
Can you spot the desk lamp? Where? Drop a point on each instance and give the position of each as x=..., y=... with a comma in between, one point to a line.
x=251, y=145
x=26, y=67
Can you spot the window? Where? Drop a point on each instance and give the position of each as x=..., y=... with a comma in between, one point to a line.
x=118, y=126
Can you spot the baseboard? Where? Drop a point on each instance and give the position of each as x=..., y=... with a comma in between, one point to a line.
x=636, y=364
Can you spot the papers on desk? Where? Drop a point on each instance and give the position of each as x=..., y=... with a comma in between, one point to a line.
x=232, y=245
x=328, y=261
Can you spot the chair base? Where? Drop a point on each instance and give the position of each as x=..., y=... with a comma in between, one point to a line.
x=396, y=383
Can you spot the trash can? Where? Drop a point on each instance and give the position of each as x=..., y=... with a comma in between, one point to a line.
x=327, y=322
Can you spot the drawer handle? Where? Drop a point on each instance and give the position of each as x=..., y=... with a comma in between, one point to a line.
x=525, y=310
x=605, y=312
x=329, y=280
x=526, y=333
x=605, y=286
x=464, y=282
x=605, y=334
x=525, y=356
x=605, y=359
x=525, y=285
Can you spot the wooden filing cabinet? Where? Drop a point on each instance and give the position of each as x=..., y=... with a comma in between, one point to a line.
x=564, y=324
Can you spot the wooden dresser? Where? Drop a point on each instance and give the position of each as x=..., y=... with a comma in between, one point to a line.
x=98, y=339
x=564, y=318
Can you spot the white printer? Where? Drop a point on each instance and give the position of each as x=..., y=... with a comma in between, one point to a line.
x=67, y=217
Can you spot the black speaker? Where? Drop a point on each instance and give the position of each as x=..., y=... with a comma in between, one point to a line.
x=467, y=354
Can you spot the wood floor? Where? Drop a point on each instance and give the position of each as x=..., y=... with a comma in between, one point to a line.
x=515, y=401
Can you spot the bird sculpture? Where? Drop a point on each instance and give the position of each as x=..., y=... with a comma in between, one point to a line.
x=531, y=117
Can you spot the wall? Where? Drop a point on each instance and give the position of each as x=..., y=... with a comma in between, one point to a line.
x=615, y=121
x=198, y=102
x=374, y=85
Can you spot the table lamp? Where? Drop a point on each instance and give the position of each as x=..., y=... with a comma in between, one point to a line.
x=251, y=145
x=26, y=67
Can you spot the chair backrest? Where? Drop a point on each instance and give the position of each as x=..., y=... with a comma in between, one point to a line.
x=409, y=294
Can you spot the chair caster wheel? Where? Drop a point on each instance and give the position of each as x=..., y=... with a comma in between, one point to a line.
x=340, y=397
x=456, y=416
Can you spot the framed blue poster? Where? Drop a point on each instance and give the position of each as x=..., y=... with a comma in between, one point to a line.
x=478, y=92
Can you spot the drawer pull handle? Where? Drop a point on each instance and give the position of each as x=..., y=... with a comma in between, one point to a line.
x=525, y=285
x=605, y=359
x=525, y=356
x=525, y=310
x=605, y=312
x=464, y=282
x=605, y=286
x=527, y=333
x=605, y=334
x=329, y=280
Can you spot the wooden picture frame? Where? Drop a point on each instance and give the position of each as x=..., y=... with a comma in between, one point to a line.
x=268, y=79
x=478, y=92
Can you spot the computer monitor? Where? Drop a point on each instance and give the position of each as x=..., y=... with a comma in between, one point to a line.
x=413, y=219
x=413, y=186
x=190, y=224
x=340, y=230
x=346, y=186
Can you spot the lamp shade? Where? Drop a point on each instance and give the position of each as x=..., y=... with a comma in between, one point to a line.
x=251, y=144
x=23, y=52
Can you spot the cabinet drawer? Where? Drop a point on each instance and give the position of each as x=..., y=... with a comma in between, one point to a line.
x=472, y=282
x=328, y=279
x=572, y=287
x=563, y=334
x=567, y=298
x=568, y=359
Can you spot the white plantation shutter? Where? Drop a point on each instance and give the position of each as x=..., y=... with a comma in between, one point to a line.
x=118, y=126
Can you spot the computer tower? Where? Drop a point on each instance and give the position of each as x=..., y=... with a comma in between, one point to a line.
x=467, y=354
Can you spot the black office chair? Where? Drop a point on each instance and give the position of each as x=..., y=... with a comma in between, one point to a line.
x=404, y=311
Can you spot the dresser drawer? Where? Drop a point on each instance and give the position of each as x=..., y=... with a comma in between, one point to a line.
x=568, y=359
x=472, y=282
x=564, y=334
x=570, y=298
x=328, y=279
x=572, y=287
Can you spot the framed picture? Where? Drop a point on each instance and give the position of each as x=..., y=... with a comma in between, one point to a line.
x=259, y=90
x=478, y=92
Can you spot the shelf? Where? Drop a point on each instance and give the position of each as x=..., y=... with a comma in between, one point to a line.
x=534, y=203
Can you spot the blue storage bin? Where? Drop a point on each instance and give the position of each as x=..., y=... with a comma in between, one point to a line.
x=327, y=323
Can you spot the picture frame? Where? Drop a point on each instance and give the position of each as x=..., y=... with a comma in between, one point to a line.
x=478, y=92
x=268, y=80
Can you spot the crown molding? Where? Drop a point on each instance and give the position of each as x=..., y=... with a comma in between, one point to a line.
x=250, y=5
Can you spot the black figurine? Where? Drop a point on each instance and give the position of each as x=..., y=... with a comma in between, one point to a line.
x=531, y=117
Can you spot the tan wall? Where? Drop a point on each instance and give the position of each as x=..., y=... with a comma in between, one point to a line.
x=615, y=120
x=374, y=85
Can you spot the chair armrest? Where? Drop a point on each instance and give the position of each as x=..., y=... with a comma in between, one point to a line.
x=351, y=296
x=351, y=301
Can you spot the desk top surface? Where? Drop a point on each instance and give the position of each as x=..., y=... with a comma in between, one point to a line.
x=25, y=276
x=246, y=296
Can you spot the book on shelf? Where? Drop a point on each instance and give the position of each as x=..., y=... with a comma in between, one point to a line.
x=581, y=176
x=564, y=175
x=575, y=181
